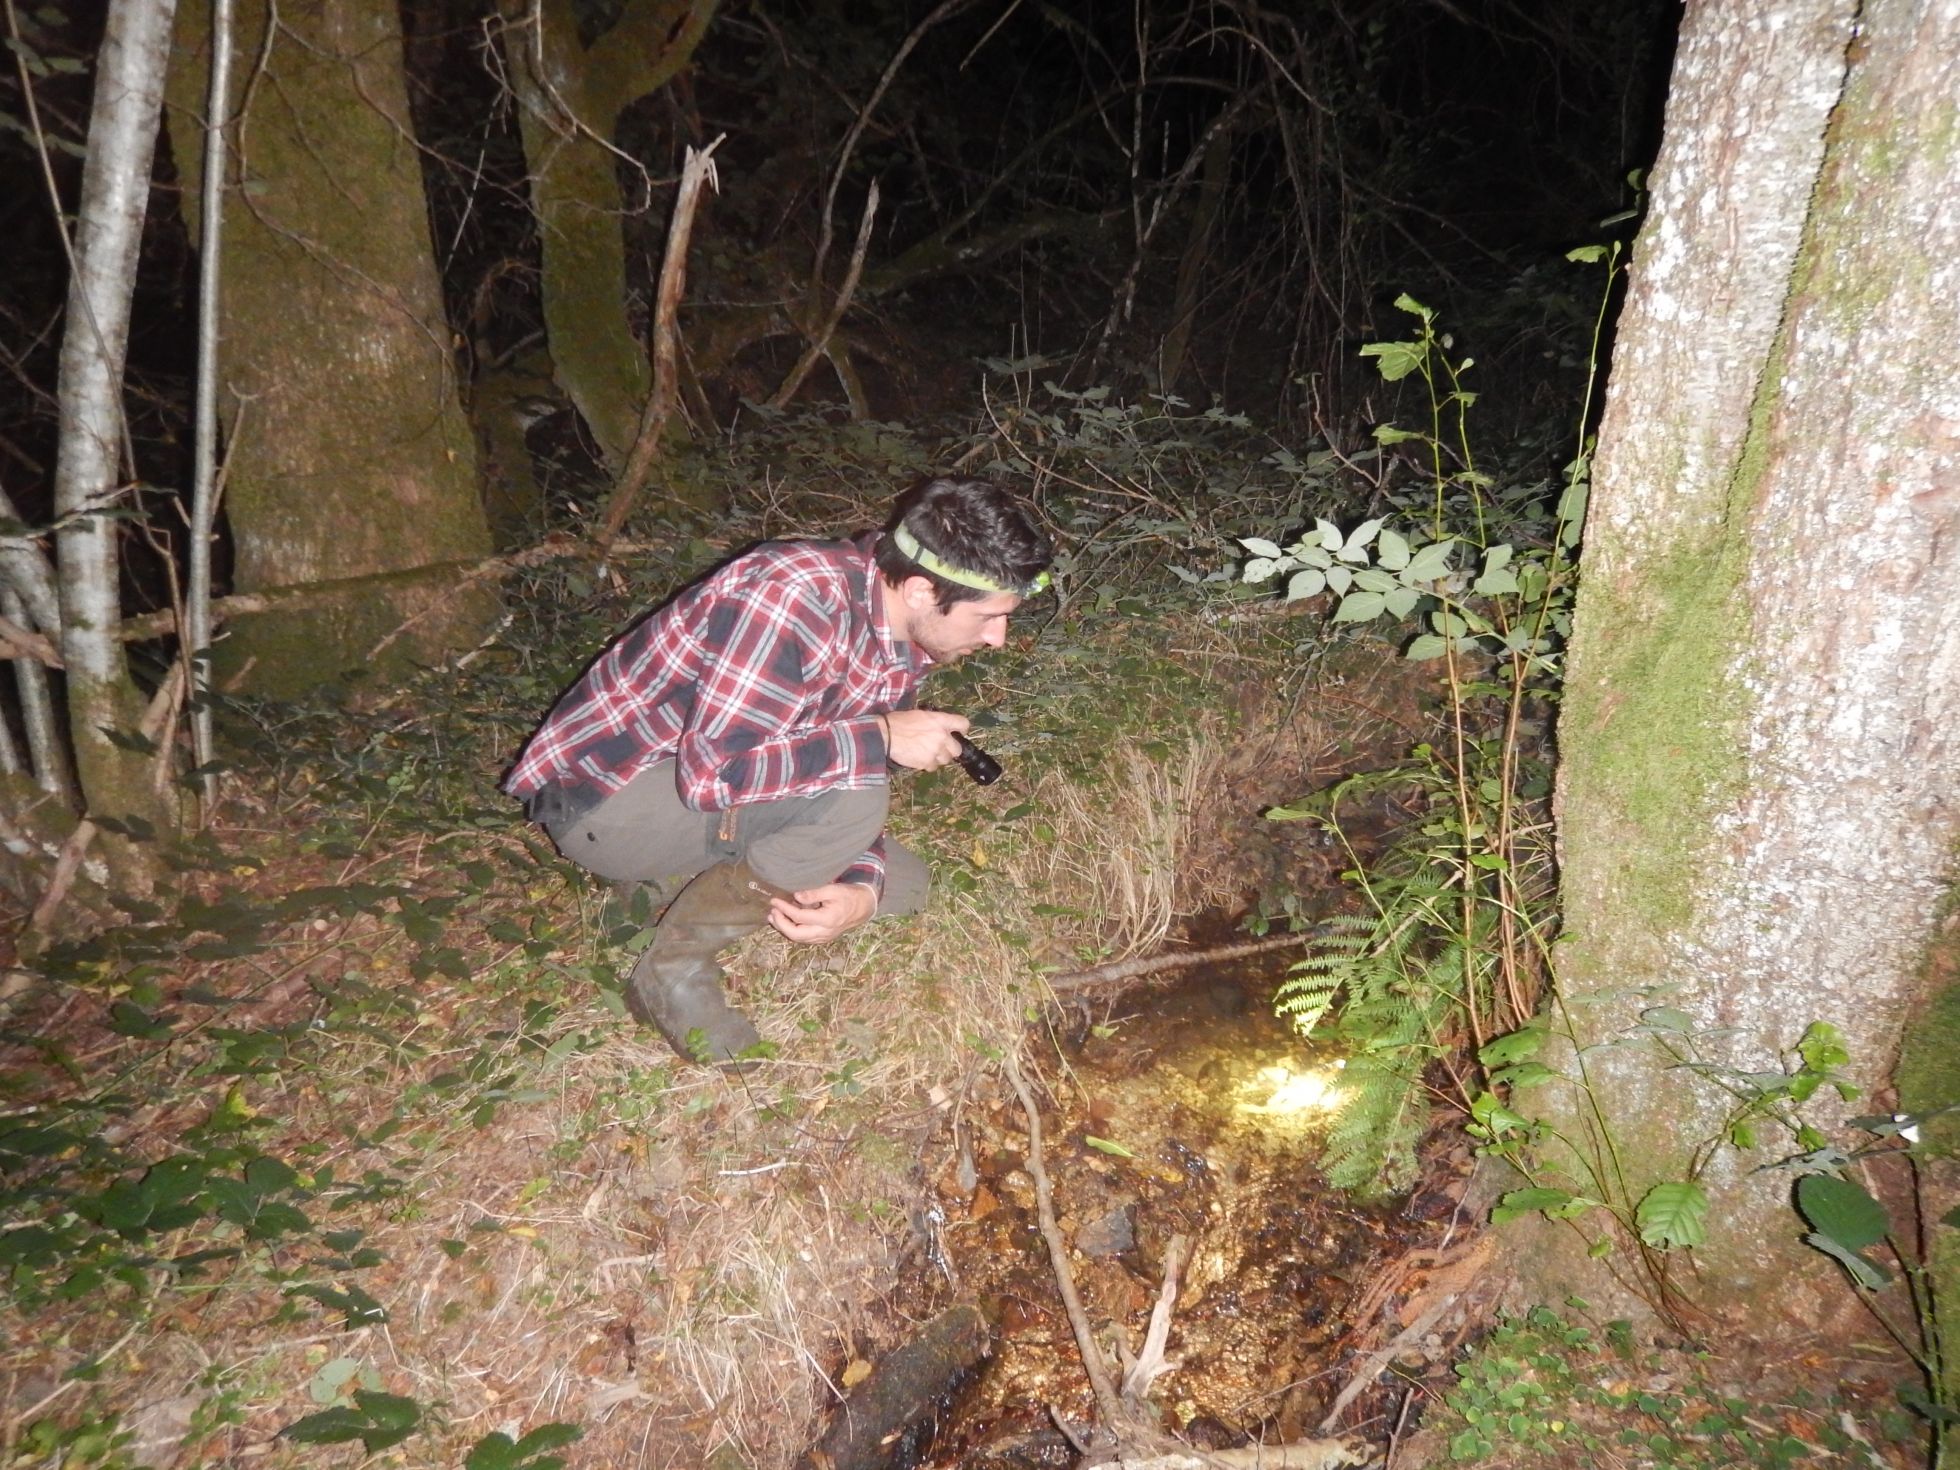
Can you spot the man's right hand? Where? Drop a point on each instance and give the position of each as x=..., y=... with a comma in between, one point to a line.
x=922, y=739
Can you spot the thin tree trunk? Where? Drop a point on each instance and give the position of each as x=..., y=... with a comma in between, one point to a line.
x=204, y=486
x=24, y=566
x=109, y=229
x=45, y=749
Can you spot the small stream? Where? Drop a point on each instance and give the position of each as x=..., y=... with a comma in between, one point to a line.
x=1190, y=1112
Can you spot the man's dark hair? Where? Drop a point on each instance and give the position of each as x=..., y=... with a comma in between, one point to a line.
x=974, y=525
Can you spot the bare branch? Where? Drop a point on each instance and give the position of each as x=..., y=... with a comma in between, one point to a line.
x=698, y=170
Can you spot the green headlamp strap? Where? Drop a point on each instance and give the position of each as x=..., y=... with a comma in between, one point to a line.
x=930, y=561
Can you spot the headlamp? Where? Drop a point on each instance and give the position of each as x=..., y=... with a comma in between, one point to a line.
x=931, y=561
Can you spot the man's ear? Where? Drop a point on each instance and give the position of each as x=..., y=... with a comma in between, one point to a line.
x=918, y=594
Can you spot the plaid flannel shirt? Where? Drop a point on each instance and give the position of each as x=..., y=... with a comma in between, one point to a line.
x=763, y=681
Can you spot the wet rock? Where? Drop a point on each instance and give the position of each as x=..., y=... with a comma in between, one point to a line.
x=1109, y=1234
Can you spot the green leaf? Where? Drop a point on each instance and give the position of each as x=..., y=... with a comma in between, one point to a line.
x=131, y=741
x=1673, y=1214
x=1399, y=602
x=1358, y=539
x=1358, y=607
x=1667, y=1018
x=1554, y=1204
x=1392, y=550
x=1514, y=1046
x=495, y=1451
x=1108, y=1146
x=1862, y=1269
x=1842, y=1210
x=339, y=1425
x=1495, y=1118
x=1822, y=1047
x=1259, y=546
x=1396, y=360
x=1586, y=254
x=1427, y=646
x=1524, y=1074
x=1371, y=580
x=1431, y=562
x=1308, y=583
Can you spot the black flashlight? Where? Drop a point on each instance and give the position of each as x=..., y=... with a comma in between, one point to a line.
x=983, y=768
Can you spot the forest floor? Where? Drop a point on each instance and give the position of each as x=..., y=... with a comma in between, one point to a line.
x=346, y=1148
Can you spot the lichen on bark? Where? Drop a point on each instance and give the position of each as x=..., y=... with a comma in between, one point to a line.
x=1756, y=803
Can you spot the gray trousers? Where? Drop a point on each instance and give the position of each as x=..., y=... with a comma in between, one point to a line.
x=644, y=833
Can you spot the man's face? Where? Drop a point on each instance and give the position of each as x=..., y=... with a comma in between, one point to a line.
x=960, y=630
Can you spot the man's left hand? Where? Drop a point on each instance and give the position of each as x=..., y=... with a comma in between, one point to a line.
x=817, y=915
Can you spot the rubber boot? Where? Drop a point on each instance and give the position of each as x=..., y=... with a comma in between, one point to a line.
x=676, y=986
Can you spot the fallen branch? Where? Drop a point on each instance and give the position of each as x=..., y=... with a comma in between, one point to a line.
x=1109, y=1403
x=1452, y=1277
x=66, y=865
x=696, y=171
x=19, y=642
x=1122, y=972
x=820, y=341
x=1150, y=1364
x=301, y=595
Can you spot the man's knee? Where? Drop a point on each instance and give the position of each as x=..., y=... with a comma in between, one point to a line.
x=806, y=841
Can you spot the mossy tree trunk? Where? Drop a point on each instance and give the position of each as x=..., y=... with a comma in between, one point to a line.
x=1760, y=740
x=348, y=450
x=570, y=98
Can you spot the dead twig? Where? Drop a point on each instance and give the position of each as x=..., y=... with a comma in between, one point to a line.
x=1150, y=1364
x=820, y=341
x=19, y=642
x=1108, y=1401
x=66, y=864
x=1122, y=972
x=1451, y=1277
x=699, y=169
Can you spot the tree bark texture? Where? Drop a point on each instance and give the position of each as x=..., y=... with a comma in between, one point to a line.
x=349, y=450
x=570, y=97
x=102, y=699
x=1760, y=740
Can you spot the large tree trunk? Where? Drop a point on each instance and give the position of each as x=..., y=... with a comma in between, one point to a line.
x=349, y=451
x=104, y=707
x=571, y=97
x=1758, y=801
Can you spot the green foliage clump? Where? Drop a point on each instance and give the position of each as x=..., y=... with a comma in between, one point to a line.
x=1543, y=1390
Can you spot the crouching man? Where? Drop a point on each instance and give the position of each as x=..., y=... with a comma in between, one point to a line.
x=731, y=750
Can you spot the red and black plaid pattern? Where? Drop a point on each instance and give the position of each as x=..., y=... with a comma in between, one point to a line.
x=763, y=681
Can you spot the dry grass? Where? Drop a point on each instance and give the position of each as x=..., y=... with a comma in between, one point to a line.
x=584, y=1230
